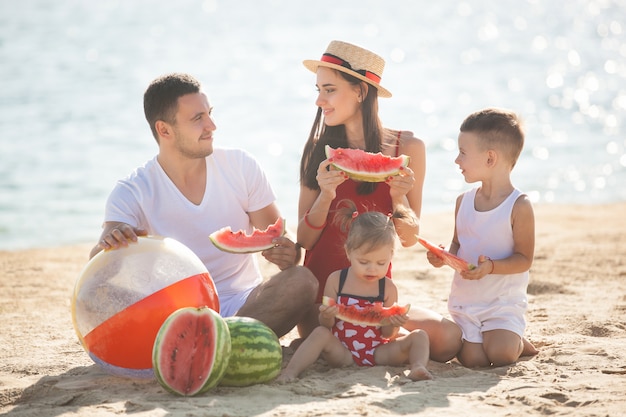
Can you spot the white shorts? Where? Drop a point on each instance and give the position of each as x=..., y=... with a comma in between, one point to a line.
x=474, y=320
x=230, y=304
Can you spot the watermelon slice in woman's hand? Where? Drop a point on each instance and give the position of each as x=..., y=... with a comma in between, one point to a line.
x=369, y=316
x=366, y=166
x=449, y=259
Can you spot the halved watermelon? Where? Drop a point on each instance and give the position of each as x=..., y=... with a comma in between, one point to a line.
x=191, y=351
x=366, y=166
x=368, y=316
x=241, y=242
x=449, y=259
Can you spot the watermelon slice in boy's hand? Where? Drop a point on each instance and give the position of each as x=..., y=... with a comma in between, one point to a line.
x=449, y=259
x=369, y=316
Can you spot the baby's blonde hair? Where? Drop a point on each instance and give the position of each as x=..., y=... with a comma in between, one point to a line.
x=368, y=229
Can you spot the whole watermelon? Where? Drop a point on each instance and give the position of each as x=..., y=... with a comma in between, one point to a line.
x=191, y=351
x=256, y=355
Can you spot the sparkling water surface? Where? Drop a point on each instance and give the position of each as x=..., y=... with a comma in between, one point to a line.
x=73, y=73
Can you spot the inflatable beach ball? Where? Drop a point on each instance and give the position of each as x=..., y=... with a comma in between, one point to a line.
x=123, y=296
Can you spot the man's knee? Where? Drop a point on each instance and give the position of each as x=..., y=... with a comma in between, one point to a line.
x=304, y=279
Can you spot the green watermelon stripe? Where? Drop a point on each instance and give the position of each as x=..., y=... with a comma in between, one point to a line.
x=249, y=330
x=256, y=353
x=253, y=367
x=247, y=371
x=251, y=345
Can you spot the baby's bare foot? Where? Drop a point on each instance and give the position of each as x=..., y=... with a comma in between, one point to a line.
x=529, y=348
x=419, y=373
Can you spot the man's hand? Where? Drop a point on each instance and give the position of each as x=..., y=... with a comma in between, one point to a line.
x=284, y=254
x=116, y=235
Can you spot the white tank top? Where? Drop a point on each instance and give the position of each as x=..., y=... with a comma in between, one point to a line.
x=488, y=233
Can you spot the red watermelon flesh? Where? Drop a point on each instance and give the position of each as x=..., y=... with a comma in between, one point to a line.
x=369, y=316
x=191, y=351
x=241, y=242
x=449, y=259
x=366, y=166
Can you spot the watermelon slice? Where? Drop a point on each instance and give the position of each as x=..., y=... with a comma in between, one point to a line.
x=449, y=259
x=191, y=351
x=367, y=316
x=366, y=166
x=241, y=242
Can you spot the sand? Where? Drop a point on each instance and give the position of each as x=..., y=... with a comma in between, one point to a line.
x=577, y=318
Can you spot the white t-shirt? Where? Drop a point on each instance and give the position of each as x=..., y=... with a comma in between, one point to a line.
x=488, y=233
x=235, y=186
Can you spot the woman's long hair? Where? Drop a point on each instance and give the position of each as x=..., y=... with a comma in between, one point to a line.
x=335, y=136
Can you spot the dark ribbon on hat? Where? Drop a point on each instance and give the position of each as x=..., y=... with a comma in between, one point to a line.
x=332, y=59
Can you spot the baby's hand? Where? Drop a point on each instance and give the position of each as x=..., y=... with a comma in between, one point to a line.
x=396, y=321
x=328, y=311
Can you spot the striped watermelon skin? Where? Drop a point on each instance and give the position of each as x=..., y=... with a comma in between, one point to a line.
x=256, y=355
x=191, y=351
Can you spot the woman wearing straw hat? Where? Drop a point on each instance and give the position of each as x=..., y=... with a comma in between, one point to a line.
x=348, y=81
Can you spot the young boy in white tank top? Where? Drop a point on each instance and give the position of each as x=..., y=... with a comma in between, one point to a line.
x=494, y=230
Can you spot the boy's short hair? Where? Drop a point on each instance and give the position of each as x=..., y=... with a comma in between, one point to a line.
x=160, y=101
x=497, y=128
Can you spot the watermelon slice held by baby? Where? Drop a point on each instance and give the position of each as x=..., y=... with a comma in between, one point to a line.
x=369, y=316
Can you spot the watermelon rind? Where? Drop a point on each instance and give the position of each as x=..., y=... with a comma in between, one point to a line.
x=256, y=355
x=191, y=351
x=241, y=242
x=366, y=166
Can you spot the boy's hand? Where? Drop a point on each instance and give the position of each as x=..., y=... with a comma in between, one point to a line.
x=435, y=260
x=485, y=267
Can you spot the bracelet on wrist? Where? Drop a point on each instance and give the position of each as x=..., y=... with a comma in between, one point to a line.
x=306, y=221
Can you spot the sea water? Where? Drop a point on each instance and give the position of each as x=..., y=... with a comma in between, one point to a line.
x=73, y=72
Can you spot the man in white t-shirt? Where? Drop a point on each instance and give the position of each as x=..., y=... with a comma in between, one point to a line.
x=189, y=190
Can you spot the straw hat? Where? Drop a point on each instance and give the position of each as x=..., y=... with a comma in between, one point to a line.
x=353, y=60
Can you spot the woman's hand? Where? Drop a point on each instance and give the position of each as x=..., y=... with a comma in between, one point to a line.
x=329, y=178
x=401, y=184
